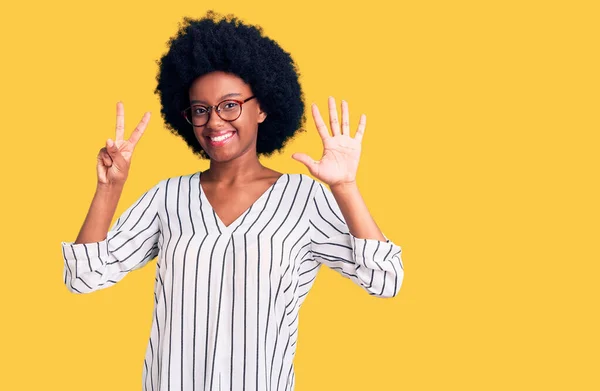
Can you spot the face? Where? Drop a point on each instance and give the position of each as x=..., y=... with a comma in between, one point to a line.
x=223, y=140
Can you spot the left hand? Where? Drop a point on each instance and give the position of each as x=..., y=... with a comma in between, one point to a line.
x=341, y=152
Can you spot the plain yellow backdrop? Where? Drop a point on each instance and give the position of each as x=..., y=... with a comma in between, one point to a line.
x=480, y=160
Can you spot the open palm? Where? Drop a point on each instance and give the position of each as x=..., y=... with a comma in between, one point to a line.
x=341, y=152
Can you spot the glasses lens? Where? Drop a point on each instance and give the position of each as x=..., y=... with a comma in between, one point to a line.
x=230, y=110
x=196, y=115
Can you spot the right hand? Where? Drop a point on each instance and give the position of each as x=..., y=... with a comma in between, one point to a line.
x=114, y=159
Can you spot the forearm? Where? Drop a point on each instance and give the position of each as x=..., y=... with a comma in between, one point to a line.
x=100, y=214
x=355, y=211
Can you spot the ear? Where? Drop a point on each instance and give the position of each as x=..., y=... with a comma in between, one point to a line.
x=261, y=115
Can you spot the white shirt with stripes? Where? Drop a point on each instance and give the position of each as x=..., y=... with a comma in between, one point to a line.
x=227, y=297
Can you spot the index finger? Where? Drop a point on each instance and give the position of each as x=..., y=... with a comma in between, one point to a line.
x=139, y=130
x=120, y=131
x=319, y=123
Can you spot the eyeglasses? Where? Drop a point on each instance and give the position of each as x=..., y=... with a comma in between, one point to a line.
x=228, y=110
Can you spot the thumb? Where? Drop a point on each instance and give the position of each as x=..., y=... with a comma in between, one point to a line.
x=309, y=162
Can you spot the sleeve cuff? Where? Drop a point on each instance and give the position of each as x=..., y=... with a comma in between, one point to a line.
x=373, y=253
x=85, y=257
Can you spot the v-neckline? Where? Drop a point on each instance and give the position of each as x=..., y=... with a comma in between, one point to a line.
x=226, y=228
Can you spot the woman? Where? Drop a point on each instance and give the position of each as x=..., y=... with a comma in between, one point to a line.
x=239, y=245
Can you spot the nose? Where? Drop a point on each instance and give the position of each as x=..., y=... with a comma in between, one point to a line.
x=214, y=120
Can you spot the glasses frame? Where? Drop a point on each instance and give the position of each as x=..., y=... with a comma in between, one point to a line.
x=210, y=109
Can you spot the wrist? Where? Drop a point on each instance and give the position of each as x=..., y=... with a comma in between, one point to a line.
x=109, y=188
x=344, y=187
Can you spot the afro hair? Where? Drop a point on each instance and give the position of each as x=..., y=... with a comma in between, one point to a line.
x=217, y=43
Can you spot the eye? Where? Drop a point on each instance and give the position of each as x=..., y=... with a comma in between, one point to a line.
x=199, y=110
x=230, y=105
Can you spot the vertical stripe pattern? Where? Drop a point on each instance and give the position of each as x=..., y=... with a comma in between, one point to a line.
x=227, y=298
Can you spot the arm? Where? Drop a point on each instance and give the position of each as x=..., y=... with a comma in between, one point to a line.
x=345, y=236
x=101, y=213
x=98, y=259
x=355, y=212
x=375, y=265
x=104, y=258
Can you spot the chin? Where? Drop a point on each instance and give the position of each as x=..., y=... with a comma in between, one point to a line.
x=227, y=155
x=222, y=159
x=222, y=156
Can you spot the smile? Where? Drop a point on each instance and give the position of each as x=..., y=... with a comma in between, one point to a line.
x=220, y=140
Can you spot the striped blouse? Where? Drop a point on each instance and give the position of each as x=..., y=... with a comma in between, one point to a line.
x=227, y=297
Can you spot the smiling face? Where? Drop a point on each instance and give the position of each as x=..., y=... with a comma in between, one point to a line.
x=225, y=140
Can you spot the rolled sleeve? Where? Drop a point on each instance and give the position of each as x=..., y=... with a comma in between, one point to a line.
x=130, y=244
x=373, y=264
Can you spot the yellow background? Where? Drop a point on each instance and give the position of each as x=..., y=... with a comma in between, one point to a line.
x=480, y=160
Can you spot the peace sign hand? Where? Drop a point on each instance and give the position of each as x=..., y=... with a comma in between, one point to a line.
x=341, y=152
x=114, y=160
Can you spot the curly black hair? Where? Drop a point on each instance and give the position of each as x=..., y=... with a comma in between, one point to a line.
x=225, y=43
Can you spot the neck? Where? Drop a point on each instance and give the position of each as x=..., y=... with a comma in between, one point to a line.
x=238, y=170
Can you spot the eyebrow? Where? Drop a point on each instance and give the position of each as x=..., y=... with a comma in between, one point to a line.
x=223, y=97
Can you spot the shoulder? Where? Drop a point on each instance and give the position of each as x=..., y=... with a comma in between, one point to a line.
x=301, y=178
x=167, y=184
x=305, y=184
x=179, y=178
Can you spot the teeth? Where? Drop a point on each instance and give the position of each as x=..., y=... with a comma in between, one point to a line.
x=221, y=138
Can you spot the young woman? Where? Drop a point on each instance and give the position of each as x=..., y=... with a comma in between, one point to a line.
x=239, y=245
